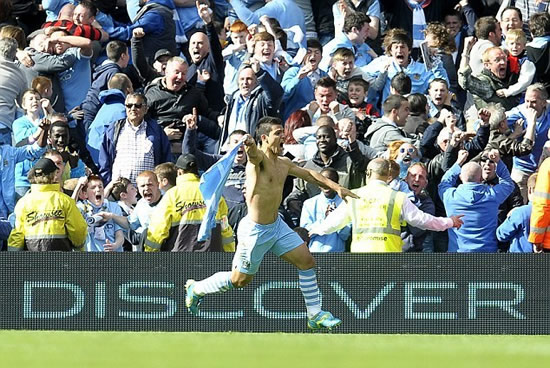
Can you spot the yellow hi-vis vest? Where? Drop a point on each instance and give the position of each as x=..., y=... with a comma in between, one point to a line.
x=376, y=219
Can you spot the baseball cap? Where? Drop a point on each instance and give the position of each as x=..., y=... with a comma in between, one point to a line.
x=162, y=52
x=186, y=162
x=44, y=166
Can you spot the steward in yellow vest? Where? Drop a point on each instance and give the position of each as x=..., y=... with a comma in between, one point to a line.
x=376, y=217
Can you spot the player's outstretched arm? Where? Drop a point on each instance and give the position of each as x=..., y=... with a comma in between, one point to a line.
x=316, y=178
x=254, y=155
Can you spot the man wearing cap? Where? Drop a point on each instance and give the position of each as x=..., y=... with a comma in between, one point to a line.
x=184, y=206
x=46, y=218
x=145, y=70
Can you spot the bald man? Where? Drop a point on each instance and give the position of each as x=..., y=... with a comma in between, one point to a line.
x=205, y=53
x=478, y=202
x=377, y=215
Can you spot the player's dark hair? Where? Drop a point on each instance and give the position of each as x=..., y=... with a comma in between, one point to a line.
x=265, y=125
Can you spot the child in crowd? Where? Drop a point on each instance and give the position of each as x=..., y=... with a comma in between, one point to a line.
x=125, y=193
x=234, y=54
x=104, y=232
x=364, y=111
x=518, y=64
x=299, y=80
x=43, y=85
x=342, y=69
x=166, y=176
x=316, y=209
x=515, y=229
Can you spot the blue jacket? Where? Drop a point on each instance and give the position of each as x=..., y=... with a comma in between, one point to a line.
x=528, y=163
x=9, y=157
x=362, y=56
x=479, y=204
x=298, y=92
x=107, y=153
x=315, y=210
x=23, y=128
x=420, y=77
x=515, y=229
x=101, y=77
x=112, y=110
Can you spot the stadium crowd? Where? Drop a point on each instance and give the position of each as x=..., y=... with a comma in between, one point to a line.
x=122, y=105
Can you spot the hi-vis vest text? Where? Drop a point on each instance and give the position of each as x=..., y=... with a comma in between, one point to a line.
x=376, y=219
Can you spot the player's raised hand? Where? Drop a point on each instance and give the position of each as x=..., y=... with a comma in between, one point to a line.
x=345, y=193
x=248, y=140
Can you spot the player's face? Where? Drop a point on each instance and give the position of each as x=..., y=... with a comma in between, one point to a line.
x=95, y=192
x=275, y=139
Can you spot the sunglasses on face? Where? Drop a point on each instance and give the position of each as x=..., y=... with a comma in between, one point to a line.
x=486, y=159
x=136, y=105
x=409, y=150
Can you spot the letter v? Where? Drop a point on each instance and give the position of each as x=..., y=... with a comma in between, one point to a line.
x=354, y=308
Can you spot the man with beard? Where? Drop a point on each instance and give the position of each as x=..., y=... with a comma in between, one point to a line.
x=493, y=77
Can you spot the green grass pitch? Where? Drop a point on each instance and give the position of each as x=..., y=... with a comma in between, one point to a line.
x=59, y=349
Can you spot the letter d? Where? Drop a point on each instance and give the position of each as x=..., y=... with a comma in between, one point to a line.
x=77, y=300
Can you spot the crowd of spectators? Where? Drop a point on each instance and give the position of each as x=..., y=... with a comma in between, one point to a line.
x=111, y=110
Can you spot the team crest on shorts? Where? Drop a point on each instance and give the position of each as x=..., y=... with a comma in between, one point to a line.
x=245, y=264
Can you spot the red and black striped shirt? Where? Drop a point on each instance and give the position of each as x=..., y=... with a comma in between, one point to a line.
x=86, y=31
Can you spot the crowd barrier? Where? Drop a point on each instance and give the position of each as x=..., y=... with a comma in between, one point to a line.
x=371, y=293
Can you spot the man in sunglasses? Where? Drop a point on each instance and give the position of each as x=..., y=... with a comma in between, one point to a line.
x=134, y=144
x=477, y=201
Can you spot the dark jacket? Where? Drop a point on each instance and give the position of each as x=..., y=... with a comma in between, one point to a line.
x=264, y=100
x=100, y=78
x=145, y=70
x=213, y=62
x=508, y=148
x=351, y=166
x=107, y=153
x=169, y=107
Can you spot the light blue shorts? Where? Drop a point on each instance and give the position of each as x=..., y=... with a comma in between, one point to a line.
x=255, y=240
